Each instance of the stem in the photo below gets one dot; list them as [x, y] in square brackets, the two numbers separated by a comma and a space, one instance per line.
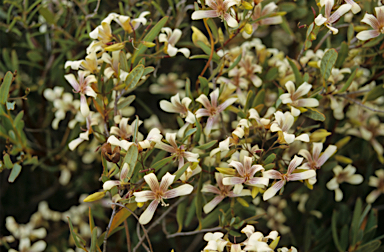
[107, 230]
[194, 232]
[210, 56]
[127, 235]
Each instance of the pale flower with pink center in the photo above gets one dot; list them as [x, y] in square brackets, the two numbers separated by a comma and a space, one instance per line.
[292, 98]
[177, 106]
[377, 23]
[221, 190]
[158, 193]
[246, 173]
[128, 24]
[281, 124]
[220, 8]
[178, 152]
[329, 19]
[82, 86]
[317, 159]
[212, 109]
[284, 178]
[343, 175]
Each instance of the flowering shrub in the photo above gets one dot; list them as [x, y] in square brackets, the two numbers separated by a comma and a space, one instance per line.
[240, 118]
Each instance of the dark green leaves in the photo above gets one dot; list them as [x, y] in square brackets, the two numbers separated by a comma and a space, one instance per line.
[327, 63]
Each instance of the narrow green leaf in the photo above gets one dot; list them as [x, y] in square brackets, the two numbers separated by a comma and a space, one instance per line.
[349, 81]
[259, 99]
[161, 163]
[314, 114]
[249, 100]
[199, 130]
[94, 240]
[344, 238]
[4, 88]
[343, 54]
[73, 234]
[134, 77]
[350, 32]
[131, 159]
[151, 35]
[7, 161]
[148, 70]
[190, 213]
[334, 231]
[199, 202]
[270, 159]
[375, 93]
[125, 101]
[14, 173]
[189, 132]
[296, 72]
[235, 63]
[47, 14]
[272, 74]
[370, 246]
[207, 50]
[207, 145]
[180, 214]
[123, 62]
[180, 171]
[327, 63]
[355, 221]
[204, 85]
[374, 41]
[91, 220]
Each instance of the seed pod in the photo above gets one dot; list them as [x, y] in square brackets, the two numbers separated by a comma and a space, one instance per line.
[110, 156]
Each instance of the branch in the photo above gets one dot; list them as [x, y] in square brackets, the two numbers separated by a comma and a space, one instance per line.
[194, 232]
[107, 230]
[362, 105]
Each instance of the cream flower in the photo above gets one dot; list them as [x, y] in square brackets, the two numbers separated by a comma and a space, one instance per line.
[284, 178]
[170, 38]
[219, 9]
[282, 123]
[114, 66]
[90, 64]
[128, 24]
[215, 242]
[343, 175]
[376, 182]
[108, 185]
[292, 98]
[124, 131]
[177, 106]
[91, 120]
[158, 193]
[212, 109]
[82, 86]
[377, 23]
[329, 19]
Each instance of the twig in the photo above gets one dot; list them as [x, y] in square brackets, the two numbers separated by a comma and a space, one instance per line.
[156, 222]
[94, 11]
[327, 35]
[127, 235]
[364, 106]
[107, 230]
[211, 55]
[194, 232]
[144, 230]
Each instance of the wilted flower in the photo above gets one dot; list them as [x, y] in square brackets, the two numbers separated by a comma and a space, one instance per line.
[343, 175]
[158, 193]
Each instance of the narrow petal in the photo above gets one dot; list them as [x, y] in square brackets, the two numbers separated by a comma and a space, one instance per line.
[373, 196]
[147, 215]
[210, 189]
[371, 20]
[212, 204]
[171, 50]
[355, 179]
[238, 166]
[303, 138]
[184, 51]
[339, 12]
[290, 87]
[316, 150]
[272, 174]
[109, 184]
[338, 195]
[365, 35]
[166, 181]
[230, 20]
[331, 149]
[320, 20]
[152, 181]
[200, 14]
[203, 99]
[270, 192]
[225, 104]
[307, 102]
[74, 143]
[84, 109]
[176, 35]
[209, 125]
[332, 184]
[258, 181]
[233, 180]
[302, 175]
[73, 81]
[303, 90]
[295, 162]
[179, 191]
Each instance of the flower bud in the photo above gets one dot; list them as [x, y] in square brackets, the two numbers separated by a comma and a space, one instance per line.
[115, 47]
[95, 196]
[148, 44]
[247, 5]
[248, 28]
[197, 35]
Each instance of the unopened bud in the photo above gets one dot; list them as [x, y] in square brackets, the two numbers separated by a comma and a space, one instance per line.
[221, 36]
[95, 196]
[247, 5]
[248, 28]
[197, 35]
[226, 171]
[115, 47]
[148, 44]
[319, 135]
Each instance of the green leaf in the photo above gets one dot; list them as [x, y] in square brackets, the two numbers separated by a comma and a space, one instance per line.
[7, 161]
[73, 234]
[355, 221]
[343, 54]
[334, 231]
[207, 50]
[314, 114]
[350, 33]
[180, 171]
[125, 101]
[375, 93]
[349, 81]
[4, 88]
[207, 145]
[272, 74]
[161, 163]
[180, 214]
[134, 77]
[235, 63]
[189, 132]
[123, 62]
[259, 99]
[199, 202]
[374, 41]
[204, 85]
[131, 159]
[148, 70]
[14, 173]
[94, 240]
[298, 77]
[370, 246]
[151, 35]
[248, 101]
[199, 130]
[270, 159]
[344, 238]
[47, 14]
[327, 63]
[91, 220]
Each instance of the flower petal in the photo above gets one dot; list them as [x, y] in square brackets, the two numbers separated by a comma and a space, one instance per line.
[179, 191]
[147, 215]
[270, 192]
[152, 181]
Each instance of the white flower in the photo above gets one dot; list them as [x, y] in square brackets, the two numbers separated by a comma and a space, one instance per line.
[376, 182]
[343, 175]
[154, 136]
[158, 193]
[128, 24]
[170, 38]
[83, 87]
[114, 66]
[219, 9]
[177, 106]
[108, 185]
[92, 119]
[377, 23]
[292, 98]
[215, 241]
[284, 178]
[355, 7]
[282, 123]
[329, 19]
